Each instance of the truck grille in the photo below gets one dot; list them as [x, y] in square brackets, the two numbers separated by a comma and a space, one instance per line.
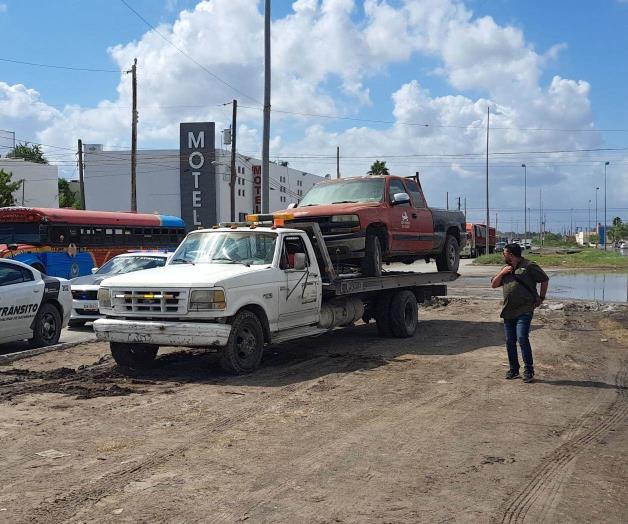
[85, 295]
[149, 302]
[324, 222]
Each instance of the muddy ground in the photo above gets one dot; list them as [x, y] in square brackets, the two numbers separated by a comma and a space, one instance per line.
[343, 428]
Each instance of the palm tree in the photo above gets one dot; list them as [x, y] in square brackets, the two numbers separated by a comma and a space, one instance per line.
[378, 168]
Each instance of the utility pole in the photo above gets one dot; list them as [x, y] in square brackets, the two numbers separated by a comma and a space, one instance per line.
[597, 229]
[465, 208]
[488, 118]
[133, 72]
[266, 131]
[234, 132]
[496, 217]
[447, 199]
[605, 219]
[23, 184]
[525, 203]
[458, 203]
[81, 179]
[571, 221]
[337, 161]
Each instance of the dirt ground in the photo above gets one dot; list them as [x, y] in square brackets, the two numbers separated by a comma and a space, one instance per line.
[343, 428]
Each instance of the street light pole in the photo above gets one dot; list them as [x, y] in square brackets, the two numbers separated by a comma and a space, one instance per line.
[605, 220]
[589, 230]
[525, 202]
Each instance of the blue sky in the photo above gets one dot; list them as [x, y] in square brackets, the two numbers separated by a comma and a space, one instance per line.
[597, 41]
[78, 33]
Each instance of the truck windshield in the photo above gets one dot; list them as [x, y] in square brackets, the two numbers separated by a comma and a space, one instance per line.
[16, 233]
[226, 247]
[344, 191]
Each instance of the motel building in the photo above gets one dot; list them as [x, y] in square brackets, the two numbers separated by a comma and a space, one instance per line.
[191, 182]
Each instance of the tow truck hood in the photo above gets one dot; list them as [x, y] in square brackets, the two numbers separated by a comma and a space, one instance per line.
[183, 275]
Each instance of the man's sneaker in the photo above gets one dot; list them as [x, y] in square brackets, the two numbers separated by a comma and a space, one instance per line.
[512, 374]
[528, 376]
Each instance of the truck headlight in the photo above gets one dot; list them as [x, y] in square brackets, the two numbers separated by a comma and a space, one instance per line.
[204, 299]
[346, 218]
[104, 297]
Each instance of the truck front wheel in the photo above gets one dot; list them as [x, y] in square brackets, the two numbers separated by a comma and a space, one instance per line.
[244, 349]
[372, 261]
[449, 258]
[404, 314]
[133, 356]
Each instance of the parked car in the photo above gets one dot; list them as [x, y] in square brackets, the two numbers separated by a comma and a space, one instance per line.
[85, 289]
[33, 306]
[373, 219]
[499, 246]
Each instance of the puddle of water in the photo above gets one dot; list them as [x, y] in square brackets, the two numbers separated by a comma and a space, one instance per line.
[605, 287]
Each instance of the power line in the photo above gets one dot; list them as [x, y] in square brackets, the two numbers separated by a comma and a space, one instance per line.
[213, 75]
[69, 68]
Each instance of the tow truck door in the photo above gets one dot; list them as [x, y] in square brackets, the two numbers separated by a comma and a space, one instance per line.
[20, 297]
[299, 295]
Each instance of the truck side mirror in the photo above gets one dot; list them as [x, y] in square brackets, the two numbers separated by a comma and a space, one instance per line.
[95, 270]
[292, 205]
[400, 198]
[300, 261]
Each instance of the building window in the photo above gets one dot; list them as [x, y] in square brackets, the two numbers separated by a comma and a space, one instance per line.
[243, 192]
[299, 192]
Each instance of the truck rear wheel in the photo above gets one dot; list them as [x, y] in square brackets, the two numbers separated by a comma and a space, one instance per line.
[243, 352]
[404, 314]
[372, 262]
[133, 356]
[382, 315]
[449, 258]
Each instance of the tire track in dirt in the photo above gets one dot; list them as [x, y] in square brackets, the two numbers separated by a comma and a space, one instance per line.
[547, 479]
[311, 462]
[66, 507]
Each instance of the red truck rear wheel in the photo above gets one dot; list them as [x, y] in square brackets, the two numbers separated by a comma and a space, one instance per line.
[449, 258]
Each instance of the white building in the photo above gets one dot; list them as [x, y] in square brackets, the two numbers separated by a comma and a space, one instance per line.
[162, 175]
[40, 187]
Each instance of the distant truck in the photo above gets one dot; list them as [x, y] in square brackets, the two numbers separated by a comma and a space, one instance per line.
[373, 219]
[476, 241]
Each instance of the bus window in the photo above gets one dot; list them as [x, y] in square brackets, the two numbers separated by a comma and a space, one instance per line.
[59, 235]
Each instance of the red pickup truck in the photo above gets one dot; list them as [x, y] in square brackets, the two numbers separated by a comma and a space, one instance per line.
[374, 219]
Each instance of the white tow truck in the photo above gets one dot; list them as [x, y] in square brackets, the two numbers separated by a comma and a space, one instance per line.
[238, 288]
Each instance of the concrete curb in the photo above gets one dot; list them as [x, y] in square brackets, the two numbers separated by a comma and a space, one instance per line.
[19, 355]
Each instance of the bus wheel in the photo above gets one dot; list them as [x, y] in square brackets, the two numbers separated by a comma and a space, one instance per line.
[404, 314]
[133, 356]
[244, 349]
[47, 329]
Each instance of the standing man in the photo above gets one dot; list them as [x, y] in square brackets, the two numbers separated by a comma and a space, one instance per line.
[519, 279]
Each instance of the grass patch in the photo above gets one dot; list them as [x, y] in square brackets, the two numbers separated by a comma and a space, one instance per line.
[587, 258]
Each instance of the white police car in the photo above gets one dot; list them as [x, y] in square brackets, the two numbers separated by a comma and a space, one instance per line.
[33, 306]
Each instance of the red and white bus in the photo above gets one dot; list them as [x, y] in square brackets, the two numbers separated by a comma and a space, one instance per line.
[68, 242]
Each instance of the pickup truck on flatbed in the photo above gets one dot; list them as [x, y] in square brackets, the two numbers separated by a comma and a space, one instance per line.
[239, 288]
[374, 219]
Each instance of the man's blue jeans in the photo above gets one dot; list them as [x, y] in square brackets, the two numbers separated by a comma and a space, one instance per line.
[518, 330]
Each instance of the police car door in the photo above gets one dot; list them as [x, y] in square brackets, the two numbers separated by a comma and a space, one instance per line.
[298, 294]
[20, 296]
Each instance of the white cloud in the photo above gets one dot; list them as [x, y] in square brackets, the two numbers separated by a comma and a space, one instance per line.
[3, 8]
[327, 56]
